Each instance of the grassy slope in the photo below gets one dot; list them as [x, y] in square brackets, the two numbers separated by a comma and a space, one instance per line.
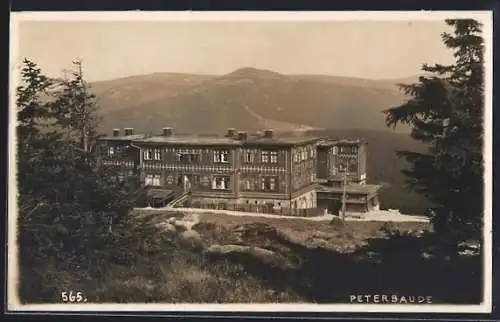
[311, 262]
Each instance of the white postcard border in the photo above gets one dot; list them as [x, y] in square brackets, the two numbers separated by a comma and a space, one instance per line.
[17, 17]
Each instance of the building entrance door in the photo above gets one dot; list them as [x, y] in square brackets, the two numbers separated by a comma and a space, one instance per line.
[335, 206]
[184, 182]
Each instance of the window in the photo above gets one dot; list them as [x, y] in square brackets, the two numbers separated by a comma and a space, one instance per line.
[303, 154]
[353, 167]
[187, 157]
[220, 183]
[265, 157]
[152, 154]
[246, 185]
[221, 156]
[296, 157]
[274, 157]
[348, 149]
[272, 184]
[157, 154]
[111, 151]
[205, 181]
[152, 180]
[249, 157]
[268, 184]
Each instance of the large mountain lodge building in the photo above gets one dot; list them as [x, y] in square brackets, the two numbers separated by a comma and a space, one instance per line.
[257, 173]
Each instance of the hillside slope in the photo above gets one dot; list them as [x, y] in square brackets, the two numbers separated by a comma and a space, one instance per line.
[247, 98]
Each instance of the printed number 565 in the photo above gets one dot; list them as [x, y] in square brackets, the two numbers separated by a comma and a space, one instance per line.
[72, 297]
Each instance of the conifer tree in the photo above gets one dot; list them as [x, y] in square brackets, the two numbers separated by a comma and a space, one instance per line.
[76, 109]
[446, 113]
[66, 202]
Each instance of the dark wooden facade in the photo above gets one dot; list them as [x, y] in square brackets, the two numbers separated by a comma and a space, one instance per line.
[360, 198]
[337, 158]
[259, 169]
[117, 151]
[341, 166]
[239, 171]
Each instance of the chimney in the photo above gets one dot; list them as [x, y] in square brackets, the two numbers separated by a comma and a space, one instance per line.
[231, 132]
[129, 131]
[268, 133]
[116, 132]
[167, 131]
[242, 135]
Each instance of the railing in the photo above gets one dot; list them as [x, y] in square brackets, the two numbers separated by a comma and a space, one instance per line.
[180, 196]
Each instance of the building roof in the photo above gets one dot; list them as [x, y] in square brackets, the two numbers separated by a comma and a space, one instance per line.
[331, 142]
[188, 140]
[196, 140]
[350, 141]
[280, 140]
[124, 137]
[366, 189]
[326, 142]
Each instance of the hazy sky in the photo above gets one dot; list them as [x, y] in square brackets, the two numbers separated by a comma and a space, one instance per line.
[368, 49]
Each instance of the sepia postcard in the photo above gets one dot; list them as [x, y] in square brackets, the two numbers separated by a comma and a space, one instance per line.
[250, 162]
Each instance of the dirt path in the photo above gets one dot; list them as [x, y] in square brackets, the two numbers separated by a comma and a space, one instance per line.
[384, 216]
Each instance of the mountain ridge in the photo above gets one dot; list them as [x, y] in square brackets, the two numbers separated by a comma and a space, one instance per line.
[247, 98]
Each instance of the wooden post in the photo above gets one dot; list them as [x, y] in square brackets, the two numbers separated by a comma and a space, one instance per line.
[344, 192]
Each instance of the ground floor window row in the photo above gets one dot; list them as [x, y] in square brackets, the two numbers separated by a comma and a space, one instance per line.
[275, 184]
[215, 182]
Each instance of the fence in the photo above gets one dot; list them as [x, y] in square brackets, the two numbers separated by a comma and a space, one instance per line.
[264, 209]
